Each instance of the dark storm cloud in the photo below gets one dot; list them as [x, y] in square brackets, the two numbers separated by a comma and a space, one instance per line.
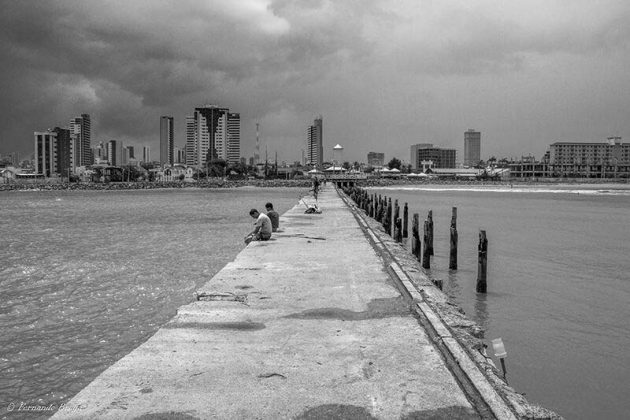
[416, 64]
[479, 40]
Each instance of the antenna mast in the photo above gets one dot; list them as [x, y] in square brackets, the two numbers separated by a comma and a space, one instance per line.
[257, 155]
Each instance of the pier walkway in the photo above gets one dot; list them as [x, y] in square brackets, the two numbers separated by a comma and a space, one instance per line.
[309, 325]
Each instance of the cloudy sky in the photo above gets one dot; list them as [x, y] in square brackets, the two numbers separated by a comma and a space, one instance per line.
[383, 74]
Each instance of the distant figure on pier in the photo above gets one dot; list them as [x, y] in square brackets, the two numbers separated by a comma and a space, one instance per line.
[262, 227]
[273, 216]
[315, 187]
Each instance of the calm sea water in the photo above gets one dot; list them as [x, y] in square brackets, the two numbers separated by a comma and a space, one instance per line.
[87, 276]
[558, 285]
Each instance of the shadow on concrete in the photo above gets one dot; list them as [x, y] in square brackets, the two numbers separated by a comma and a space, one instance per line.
[377, 308]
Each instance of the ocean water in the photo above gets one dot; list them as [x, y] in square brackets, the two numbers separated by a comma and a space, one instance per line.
[558, 285]
[87, 276]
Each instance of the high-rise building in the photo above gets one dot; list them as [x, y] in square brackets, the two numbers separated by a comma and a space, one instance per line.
[441, 158]
[191, 147]
[315, 143]
[81, 131]
[180, 155]
[206, 135]
[146, 154]
[234, 137]
[167, 140]
[115, 152]
[45, 157]
[125, 156]
[375, 159]
[99, 153]
[64, 151]
[131, 152]
[472, 147]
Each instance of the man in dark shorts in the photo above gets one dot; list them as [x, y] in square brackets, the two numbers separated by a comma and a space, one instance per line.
[273, 216]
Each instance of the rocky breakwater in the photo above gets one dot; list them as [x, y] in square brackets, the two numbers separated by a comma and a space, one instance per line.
[212, 183]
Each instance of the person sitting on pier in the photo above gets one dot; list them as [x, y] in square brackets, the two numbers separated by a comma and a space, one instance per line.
[273, 216]
[262, 227]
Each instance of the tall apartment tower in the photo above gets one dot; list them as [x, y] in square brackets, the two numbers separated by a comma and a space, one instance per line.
[115, 152]
[81, 131]
[472, 147]
[146, 154]
[45, 153]
[125, 156]
[167, 140]
[206, 135]
[180, 155]
[233, 137]
[64, 151]
[99, 153]
[315, 146]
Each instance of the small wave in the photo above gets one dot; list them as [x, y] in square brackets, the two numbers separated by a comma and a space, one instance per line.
[507, 189]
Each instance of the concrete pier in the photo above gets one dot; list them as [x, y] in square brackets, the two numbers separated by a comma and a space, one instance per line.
[314, 323]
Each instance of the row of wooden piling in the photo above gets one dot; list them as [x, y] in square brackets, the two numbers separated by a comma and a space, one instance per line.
[381, 209]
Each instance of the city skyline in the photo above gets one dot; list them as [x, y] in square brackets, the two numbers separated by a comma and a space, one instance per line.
[526, 75]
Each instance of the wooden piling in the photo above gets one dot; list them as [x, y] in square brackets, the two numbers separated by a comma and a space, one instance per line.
[384, 216]
[482, 285]
[387, 216]
[416, 245]
[372, 202]
[396, 216]
[430, 239]
[452, 264]
[390, 218]
[385, 211]
[406, 222]
[426, 256]
[398, 230]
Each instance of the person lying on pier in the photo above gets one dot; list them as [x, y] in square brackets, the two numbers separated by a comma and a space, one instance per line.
[262, 227]
[273, 216]
[310, 208]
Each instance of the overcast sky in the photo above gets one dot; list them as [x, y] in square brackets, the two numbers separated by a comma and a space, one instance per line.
[383, 74]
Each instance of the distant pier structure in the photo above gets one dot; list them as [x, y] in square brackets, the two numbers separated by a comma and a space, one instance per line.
[345, 179]
[338, 175]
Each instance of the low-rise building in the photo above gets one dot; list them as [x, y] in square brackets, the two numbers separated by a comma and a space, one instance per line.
[441, 158]
[529, 167]
[175, 173]
[8, 175]
[376, 159]
[610, 159]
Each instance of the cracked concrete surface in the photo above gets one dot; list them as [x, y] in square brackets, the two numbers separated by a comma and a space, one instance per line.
[308, 325]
